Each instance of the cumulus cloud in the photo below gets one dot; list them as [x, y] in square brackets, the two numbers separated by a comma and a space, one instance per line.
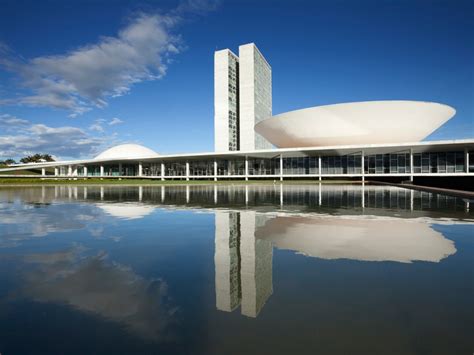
[87, 76]
[24, 137]
[98, 125]
[115, 121]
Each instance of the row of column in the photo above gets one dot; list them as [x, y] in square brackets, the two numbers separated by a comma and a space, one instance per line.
[72, 170]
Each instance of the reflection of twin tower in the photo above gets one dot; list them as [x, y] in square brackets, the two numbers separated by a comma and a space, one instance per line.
[243, 263]
[244, 241]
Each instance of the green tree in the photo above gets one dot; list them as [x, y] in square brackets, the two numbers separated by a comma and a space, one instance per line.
[36, 158]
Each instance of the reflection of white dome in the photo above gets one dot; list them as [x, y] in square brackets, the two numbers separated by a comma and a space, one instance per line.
[126, 210]
[127, 151]
[370, 122]
[384, 239]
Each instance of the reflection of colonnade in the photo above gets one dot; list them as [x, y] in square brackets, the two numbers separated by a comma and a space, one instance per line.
[243, 263]
[309, 197]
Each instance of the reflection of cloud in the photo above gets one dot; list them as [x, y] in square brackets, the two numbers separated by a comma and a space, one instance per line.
[21, 222]
[96, 285]
[126, 210]
[359, 239]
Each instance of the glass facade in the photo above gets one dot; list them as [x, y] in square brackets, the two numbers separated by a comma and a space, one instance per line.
[151, 169]
[262, 166]
[442, 162]
[175, 168]
[398, 163]
[374, 164]
[201, 168]
[299, 165]
[231, 167]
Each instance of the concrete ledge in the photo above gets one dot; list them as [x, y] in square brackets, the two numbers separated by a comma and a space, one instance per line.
[451, 192]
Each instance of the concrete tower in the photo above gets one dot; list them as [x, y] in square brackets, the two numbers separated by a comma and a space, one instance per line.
[255, 104]
[226, 101]
[242, 98]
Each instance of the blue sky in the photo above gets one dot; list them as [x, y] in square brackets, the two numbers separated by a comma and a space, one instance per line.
[78, 76]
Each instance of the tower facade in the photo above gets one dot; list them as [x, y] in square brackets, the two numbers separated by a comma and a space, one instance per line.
[226, 101]
[242, 98]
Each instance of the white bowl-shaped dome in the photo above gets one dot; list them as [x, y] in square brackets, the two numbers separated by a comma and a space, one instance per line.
[370, 122]
[127, 151]
[126, 210]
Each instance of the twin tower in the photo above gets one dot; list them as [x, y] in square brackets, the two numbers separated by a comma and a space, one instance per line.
[242, 98]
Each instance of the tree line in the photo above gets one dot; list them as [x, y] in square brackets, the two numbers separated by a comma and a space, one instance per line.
[36, 158]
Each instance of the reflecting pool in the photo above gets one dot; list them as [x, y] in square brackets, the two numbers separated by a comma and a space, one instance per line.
[235, 269]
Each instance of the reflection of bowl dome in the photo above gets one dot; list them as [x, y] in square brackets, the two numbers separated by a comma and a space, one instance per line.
[126, 210]
[127, 151]
[370, 122]
[367, 239]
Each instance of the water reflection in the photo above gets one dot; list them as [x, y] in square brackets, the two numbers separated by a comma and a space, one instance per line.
[333, 262]
[97, 285]
[244, 243]
[348, 199]
[243, 263]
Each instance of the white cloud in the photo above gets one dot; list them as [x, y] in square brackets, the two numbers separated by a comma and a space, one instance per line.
[115, 121]
[29, 138]
[88, 76]
[8, 122]
[97, 126]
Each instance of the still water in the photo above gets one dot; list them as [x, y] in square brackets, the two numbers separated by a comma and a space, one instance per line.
[292, 269]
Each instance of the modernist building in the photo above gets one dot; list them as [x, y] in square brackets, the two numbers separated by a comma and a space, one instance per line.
[242, 98]
[357, 140]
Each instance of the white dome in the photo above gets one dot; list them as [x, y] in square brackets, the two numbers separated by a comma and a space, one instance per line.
[127, 151]
[370, 122]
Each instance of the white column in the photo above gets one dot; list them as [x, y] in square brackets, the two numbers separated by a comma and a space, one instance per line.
[320, 195]
[187, 171]
[281, 195]
[363, 194]
[281, 167]
[362, 164]
[411, 165]
[69, 170]
[43, 171]
[101, 170]
[140, 169]
[56, 171]
[246, 168]
[162, 171]
[85, 170]
[74, 171]
[319, 167]
[466, 160]
[215, 170]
